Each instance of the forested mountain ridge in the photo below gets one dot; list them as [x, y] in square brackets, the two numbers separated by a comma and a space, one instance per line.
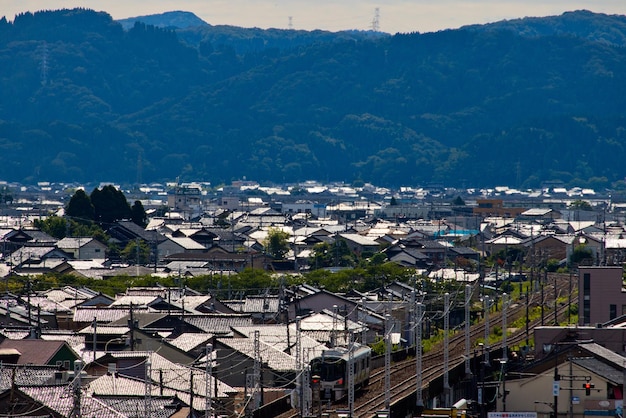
[85, 100]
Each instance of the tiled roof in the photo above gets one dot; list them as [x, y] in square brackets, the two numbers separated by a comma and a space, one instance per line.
[255, 304]
[73, 242]
[69, 292]
[276, 336]
[120, 385]
[47, 305]
[104, 330]
[187, 243]
[218, 323]
[193, 301]
[134, 407]
[188, 341]
[103, 315]
[607, 371]
[25, 375]
[60, 399]
[136, 300]
[174, 376]
[274, 358]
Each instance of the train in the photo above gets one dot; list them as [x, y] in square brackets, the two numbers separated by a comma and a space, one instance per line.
[331, 367]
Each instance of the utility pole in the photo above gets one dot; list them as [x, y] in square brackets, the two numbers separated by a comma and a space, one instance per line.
[148, 388]
[387, 361]
[419, 403]
[505, 305]
[446, 346]
[468, 300]
[77, 393]
[94, 324]
[487, 328]
[351, 374]
[208, 372]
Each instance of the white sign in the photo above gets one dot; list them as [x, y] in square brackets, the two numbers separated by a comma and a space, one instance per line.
[512, 415]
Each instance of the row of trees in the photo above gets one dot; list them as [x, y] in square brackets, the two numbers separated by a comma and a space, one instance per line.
[91, 215]
[105, 206]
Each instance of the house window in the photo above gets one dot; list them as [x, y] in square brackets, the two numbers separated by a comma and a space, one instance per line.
[66, 364]
[97, 250]
[586, 298]
[586, 283]
[612, 311]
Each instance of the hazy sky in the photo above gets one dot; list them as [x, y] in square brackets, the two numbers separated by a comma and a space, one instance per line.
[394, 15]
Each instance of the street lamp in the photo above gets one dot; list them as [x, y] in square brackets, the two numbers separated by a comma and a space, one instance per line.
[481, 388]
[118, 340]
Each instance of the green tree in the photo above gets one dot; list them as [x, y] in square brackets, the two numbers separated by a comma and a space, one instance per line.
[80, 207]
[5, 195]
[110, 205]
[136, 253]
[276, 243]
[582, 255]
[332, 255]
[581, 205]
[138, 214]
[53, 225]
[458, 201]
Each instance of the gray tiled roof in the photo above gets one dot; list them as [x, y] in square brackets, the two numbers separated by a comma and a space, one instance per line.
[604, 353]
[104, 315]
[276, 336]
[255, 304]
[218, 323]
[25, 375]
[120, 385]
[274, 358]
[608, 372]
[174, 376]
[60, 399]
[190, 340]
[48, 305]
[135, 407]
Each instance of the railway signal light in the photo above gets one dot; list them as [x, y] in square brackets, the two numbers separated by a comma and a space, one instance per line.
[588, 386]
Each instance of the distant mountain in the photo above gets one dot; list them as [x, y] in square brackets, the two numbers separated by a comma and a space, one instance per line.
[197, 33]
[85, 100]
[169, 20]
[596, 27]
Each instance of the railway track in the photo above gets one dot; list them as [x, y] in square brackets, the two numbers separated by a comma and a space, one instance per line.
[402, 373]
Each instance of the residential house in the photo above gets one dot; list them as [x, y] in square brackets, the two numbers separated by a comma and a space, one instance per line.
[576, 364]
[123, 232]
[38, 352]
[83, 248]
[52, 401]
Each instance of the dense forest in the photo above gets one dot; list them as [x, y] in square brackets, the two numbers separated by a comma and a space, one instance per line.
[518, 102]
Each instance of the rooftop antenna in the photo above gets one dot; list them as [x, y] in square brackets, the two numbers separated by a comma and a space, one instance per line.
[376, 20]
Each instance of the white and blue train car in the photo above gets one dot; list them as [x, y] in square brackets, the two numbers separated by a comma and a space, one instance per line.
[332, 369]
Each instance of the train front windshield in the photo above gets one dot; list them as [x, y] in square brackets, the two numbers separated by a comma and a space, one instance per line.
[328, 369]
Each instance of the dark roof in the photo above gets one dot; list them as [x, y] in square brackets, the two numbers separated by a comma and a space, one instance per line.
[127, 230]
[606, 371]
[464, 251]
[34, 351]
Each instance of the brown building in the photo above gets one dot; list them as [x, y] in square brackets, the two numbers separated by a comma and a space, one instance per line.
[495, 207]
[601, 294]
